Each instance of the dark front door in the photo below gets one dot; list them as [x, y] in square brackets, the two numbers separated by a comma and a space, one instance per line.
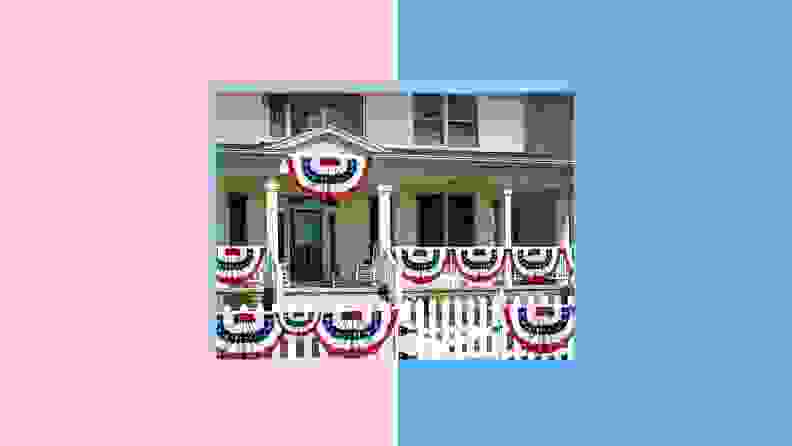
[307, 246]
[332, 233]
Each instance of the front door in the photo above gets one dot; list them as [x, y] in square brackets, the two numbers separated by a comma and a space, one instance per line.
[307, 245]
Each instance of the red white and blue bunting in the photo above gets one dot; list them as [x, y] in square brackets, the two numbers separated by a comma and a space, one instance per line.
[299, 324]
[361, 333]
[247, 333]
[541, 328]
[238, 265]
[482, 266]
[421, 266]
[328, 176]
[244, 334]
[479, 265]
[533, 262]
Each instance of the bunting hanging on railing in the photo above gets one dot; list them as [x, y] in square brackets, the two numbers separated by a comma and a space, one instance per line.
[244, 334]
[533, 263]
[238, 265]
[479, 265]
[260, 331]
[299, 324]
[357, 333]
[328, 176]
[422, 266]
[541, 328]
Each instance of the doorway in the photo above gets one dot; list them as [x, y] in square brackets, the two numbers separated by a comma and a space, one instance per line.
[306, 240]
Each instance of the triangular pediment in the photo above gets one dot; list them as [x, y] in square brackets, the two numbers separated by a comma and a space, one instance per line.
[328, 139]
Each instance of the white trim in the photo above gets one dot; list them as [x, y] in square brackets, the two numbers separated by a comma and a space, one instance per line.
[410, 120]
[508, 278]
[267, 117]
[287, 122]
[364, 116]
[266, 152]
[444, 117]
[446, 157]
[302, 138]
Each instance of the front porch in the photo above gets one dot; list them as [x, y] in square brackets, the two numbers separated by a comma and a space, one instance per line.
[328, 217]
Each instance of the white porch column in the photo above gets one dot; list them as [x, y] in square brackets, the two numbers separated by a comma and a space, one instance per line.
[507, 230]
[271, 189]
[287, 122]
[267, 115]
[384, 192]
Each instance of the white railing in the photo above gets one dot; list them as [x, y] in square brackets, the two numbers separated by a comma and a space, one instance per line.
[388, 272]
[462, 326]
[436, 331]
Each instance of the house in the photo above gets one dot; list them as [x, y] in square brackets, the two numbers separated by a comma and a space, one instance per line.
[334, 197]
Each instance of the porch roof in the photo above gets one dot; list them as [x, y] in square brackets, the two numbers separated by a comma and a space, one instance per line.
[285, 146]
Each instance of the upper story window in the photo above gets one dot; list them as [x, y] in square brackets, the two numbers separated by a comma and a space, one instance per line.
[445, 120]
[291, 114]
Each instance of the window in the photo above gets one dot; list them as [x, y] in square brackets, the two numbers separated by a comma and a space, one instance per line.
[430, 220]
[462, 121]
[434, 210]
[310, 111]
[461, 220]
[534, 219]
[547, 124]
[428, 120]
[237, 225]
[445, 120]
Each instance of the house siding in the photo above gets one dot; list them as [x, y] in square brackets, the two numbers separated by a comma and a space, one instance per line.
[388, 119]
[500, 124]
[239, 119]
[506, 124]
[548, 129]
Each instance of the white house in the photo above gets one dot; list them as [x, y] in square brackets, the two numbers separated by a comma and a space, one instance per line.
[328, 197]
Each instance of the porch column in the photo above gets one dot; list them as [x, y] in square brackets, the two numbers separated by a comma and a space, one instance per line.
[272, 188]
[507, 231]
[287, 122]
[384, 192]
[267, 115]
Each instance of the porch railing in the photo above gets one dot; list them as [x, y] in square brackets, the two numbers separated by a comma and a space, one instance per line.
[483, 267]
[262, 332]
[388, 274]
[252, 267]
[464, 325]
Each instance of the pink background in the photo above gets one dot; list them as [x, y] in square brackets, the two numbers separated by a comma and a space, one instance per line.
[106, 165]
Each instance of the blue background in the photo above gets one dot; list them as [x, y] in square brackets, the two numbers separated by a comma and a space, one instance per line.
[682, 109]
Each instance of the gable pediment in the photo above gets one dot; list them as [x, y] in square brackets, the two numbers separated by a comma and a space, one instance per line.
[328, 140]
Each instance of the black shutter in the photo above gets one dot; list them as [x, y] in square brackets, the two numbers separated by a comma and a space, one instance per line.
[281, 235]
[373, 222]
[238, 218]
[430, 220]
[515, 221]
[461, 220]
